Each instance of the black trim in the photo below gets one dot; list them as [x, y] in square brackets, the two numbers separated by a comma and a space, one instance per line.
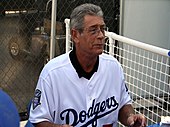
[79, 69]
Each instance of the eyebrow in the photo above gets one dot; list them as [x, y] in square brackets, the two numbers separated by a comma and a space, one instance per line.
[94, 26]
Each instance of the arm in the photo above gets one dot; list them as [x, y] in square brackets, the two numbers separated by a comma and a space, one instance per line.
[124, 113]
[49, 124]
[127, 114]
[128, 117]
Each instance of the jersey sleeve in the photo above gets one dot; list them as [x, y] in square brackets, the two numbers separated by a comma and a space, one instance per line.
[42, 106]
[125, 96]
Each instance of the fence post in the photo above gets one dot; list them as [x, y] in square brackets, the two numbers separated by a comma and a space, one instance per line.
[53, 26]
[67, 22]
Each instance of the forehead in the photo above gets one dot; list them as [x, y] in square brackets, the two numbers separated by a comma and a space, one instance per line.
[90, 21]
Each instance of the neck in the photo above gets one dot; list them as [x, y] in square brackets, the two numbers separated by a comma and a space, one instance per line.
[86, 61]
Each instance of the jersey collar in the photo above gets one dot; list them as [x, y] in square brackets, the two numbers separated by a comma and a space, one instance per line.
[79, 69]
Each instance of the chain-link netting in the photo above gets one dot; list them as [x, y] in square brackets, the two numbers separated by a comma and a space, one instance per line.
[25, 27]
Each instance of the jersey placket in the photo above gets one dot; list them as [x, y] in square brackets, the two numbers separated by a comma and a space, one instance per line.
[90, 97]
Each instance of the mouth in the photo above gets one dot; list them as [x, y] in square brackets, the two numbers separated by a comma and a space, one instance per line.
[98, 45]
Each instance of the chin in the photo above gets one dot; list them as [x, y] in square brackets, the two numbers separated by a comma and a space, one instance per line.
[100, 52]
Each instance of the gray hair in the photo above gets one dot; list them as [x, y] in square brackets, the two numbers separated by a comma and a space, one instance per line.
[77, 16]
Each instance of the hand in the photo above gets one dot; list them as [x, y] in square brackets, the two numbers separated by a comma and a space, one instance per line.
[66, 126]
[49, 124]
[136, 120]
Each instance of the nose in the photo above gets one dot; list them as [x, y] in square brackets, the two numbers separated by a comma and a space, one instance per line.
[101, 34]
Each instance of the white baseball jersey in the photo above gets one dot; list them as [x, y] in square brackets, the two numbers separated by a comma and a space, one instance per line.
[62, 97]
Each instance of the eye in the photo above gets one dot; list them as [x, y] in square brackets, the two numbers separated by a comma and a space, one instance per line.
[103, 28]
[93, 30]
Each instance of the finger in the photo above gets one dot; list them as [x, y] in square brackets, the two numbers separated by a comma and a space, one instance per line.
[131, 120]
[143, 121]
[132, 123]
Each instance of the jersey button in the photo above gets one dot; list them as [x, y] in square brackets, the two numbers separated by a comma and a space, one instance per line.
[90, 98]
[90, 86]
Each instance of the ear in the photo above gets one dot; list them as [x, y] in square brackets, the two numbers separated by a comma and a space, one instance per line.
[75, 35]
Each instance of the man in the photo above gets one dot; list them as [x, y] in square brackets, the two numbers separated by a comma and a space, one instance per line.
[84, 88]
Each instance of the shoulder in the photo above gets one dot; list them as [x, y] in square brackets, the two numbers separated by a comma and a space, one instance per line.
[55, 64]
[109, 61]
[108, 58]
[58, 61]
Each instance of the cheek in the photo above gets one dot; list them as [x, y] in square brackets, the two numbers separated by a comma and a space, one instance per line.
[90, 45]
[88, 42]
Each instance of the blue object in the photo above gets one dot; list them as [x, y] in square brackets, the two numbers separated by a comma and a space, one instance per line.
[29, 124]
[9, 116]
[169, 53]
[154, 125]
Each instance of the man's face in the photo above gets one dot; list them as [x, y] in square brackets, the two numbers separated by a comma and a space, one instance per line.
[91, 40]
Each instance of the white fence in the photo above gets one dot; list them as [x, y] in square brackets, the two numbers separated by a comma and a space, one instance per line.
[147, 73]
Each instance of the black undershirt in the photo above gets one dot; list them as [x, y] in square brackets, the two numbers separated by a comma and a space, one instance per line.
[79, 69]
